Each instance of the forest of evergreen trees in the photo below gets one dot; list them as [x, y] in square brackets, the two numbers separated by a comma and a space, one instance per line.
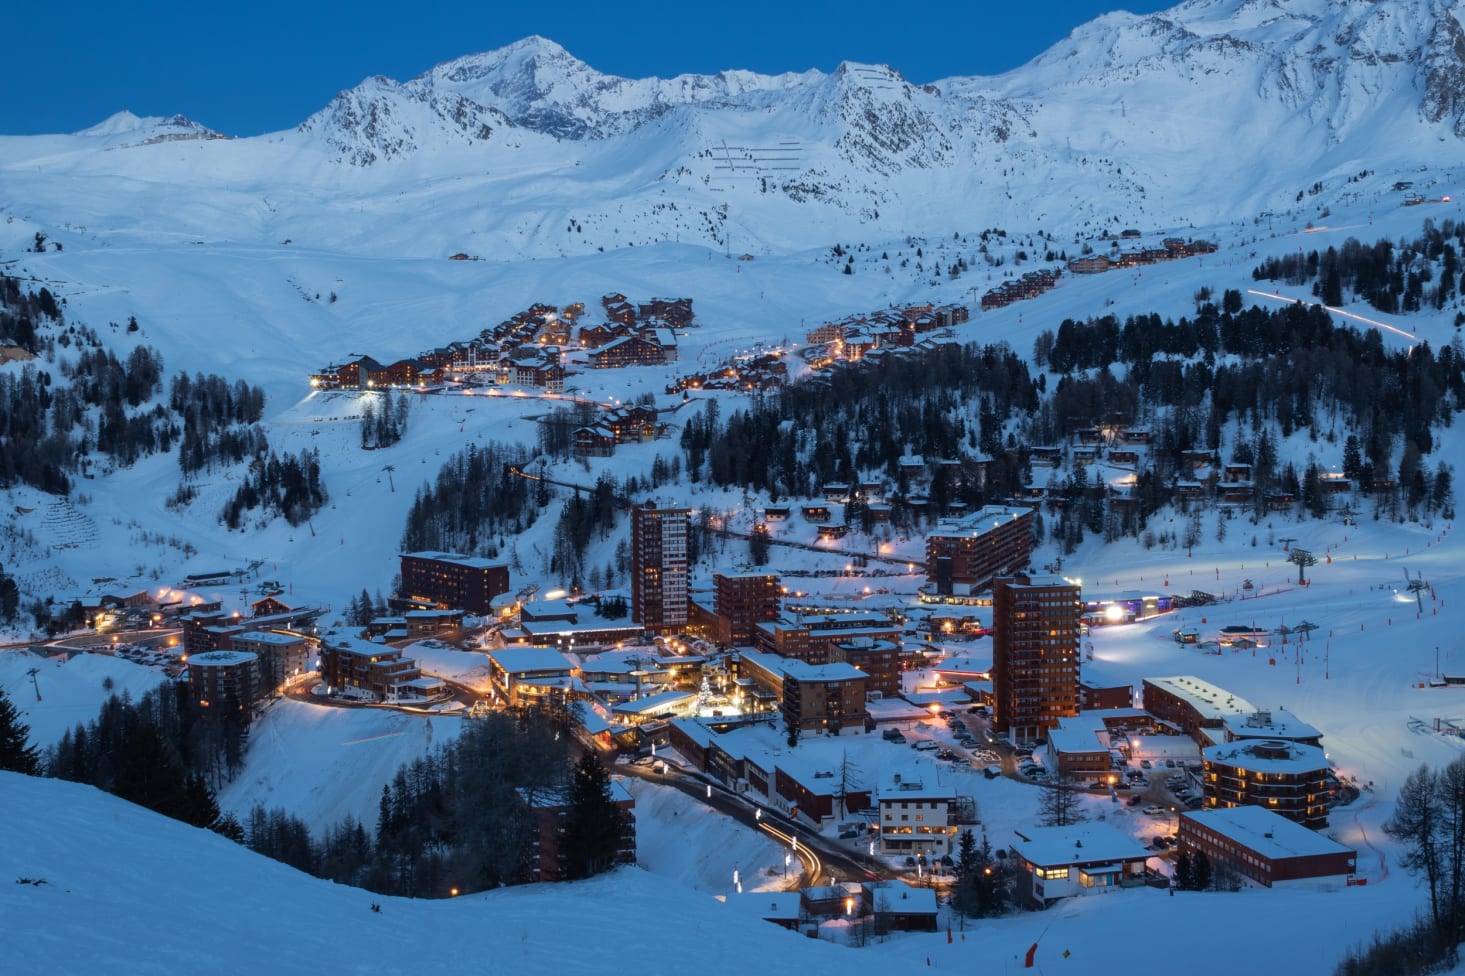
[220, 421]
[289, 486]
[475, 502]
[96, 407]
[862, 419]
[383, 425]
[1429, 821]
[157, 752]
[456, 820]
[1392, 277]
[585, 516]
[1284, 370]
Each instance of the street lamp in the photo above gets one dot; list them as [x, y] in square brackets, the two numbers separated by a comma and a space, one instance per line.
[787, 858]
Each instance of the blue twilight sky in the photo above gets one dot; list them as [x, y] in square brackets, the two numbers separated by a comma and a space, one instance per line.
[244, 68]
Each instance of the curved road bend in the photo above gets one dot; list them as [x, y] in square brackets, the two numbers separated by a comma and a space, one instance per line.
[820, 858]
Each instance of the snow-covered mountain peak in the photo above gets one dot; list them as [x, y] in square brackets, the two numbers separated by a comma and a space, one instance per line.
[380, 119]
[530, 55]
[541, 86]
[123, 121]
[126, 127]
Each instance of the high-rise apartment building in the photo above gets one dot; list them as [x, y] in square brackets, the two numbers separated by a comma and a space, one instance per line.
[742, 601]
[1035, 624]
[659, 567]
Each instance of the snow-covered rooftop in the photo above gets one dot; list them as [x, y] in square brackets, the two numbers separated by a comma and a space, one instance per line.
[1276, 723]
[521, 660]
[1265, 832]
[268, 637]
[1076, 844]
[1210, 701]
[222, 658]
[1268, 755]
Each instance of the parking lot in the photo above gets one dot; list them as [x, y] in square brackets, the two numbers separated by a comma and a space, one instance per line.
[968, 743]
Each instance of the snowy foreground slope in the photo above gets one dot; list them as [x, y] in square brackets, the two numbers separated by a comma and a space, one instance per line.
[92, 884]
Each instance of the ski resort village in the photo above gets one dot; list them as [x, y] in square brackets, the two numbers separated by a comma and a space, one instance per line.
[781, 523]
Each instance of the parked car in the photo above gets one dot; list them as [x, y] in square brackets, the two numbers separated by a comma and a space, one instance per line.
[992, 772]
[1135, 800]
[1154, 810]
[1145, 764]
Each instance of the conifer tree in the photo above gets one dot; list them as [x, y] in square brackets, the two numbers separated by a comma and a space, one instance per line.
[149, 777]
[16, 752]
[1184, 872]
[595, 826]
[1200, 871]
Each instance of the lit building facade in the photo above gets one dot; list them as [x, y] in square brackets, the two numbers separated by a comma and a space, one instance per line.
[741, 601]
[964, 554]
[1035, 624]
[659, 567]
[1288, 778]
[917, 817]
[224, 682]
[1263, 847]
[453, 582]
[824, 698]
